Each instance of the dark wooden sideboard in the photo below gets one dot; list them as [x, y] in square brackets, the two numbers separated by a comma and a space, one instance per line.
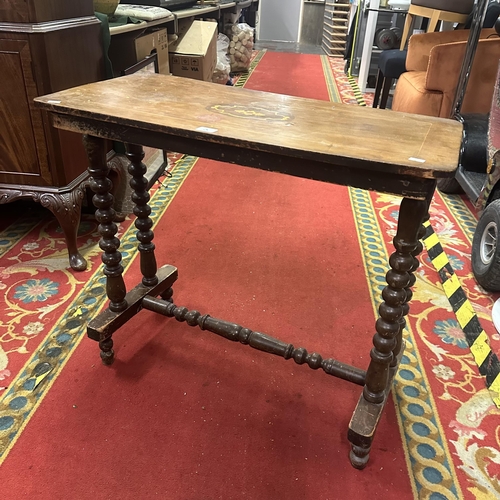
[45, 46]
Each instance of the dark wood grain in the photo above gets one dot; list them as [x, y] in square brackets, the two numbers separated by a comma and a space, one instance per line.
[105, 214]
[31, 11]
[142, 211]
[23, 151]
[32, 152]
[103, 326]
[300, 128]
[64, 59]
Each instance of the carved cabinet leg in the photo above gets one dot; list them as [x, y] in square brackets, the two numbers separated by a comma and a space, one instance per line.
[67, 209]
[65, 204]
[387, 342]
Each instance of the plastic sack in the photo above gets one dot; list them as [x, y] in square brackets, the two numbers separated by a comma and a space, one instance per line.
[223, 66]
[240, 46]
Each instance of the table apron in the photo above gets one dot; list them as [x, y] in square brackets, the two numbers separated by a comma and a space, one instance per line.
[349, 173]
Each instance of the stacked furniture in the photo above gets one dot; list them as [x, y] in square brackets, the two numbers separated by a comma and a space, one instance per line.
[452, 11]
[335, 27]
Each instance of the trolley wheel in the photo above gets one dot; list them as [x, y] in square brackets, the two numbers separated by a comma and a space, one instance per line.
[449, 186]
[486, 248]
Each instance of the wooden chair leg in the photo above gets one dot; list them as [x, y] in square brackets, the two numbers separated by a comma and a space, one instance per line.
[433, 21]
[378, 88]
[385, 92]
[406, 30]
[381, 370]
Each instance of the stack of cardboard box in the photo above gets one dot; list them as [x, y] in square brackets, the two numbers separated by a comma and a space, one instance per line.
[193, 54]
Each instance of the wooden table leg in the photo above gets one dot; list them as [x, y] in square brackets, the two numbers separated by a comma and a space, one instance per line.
[409, 295]
[387, 342]
[142, 211]
[109, 243]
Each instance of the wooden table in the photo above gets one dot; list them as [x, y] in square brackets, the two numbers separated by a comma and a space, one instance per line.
[362, 147]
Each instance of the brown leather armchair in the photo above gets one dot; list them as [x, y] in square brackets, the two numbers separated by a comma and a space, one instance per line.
[432, 70]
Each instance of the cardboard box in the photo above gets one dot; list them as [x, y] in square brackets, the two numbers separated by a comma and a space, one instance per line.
[128, 49]
[148, 43]
[194, 53]
[183, 25]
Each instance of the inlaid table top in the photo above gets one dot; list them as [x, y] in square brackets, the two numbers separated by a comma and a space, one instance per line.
[332, 133]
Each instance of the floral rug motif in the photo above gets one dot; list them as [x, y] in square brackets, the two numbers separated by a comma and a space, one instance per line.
[44, 311]
[466, 417]
[347, 86]
[448, 419]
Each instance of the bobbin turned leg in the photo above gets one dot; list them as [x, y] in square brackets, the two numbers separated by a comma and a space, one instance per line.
[385, 342]
[409, 293]
[143, 223]
[142, 211]
[109, 243]
[124, 306]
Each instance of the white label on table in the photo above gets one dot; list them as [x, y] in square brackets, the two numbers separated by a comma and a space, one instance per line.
[419, 160]
[208, 130]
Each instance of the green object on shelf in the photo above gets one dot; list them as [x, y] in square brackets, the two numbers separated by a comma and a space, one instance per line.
[106, 6]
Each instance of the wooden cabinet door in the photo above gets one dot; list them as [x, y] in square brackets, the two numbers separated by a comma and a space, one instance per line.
[23, 150]
[40, 11]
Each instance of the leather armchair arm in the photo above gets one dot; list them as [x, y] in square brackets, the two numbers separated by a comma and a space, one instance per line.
[420, 46]
[445, 62]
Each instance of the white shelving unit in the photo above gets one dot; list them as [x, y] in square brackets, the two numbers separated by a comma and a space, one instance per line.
[335, 27]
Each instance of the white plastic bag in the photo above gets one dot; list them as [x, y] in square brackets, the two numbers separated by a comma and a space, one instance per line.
[223, 66]
[240, 46]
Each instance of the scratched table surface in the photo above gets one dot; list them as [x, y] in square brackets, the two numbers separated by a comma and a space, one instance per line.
[334, 133]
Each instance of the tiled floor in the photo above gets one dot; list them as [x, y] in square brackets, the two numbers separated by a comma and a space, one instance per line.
[299, 48]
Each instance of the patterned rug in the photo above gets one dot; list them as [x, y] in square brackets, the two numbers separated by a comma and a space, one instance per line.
[447, 414]
[447, 418]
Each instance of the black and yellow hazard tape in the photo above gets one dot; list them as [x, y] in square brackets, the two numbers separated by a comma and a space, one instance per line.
[477, 339]
[355, 89]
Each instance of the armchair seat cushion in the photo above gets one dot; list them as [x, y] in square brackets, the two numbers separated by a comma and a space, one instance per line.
[458, 6]
[412, 96]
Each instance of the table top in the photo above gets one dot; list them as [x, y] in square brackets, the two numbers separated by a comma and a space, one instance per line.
[338, 134]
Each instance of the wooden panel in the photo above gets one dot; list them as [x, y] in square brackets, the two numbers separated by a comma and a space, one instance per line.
[38, 11]
[14, 11]
[62, 59]
[337, 134]
[33, 65]
[22, 139]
